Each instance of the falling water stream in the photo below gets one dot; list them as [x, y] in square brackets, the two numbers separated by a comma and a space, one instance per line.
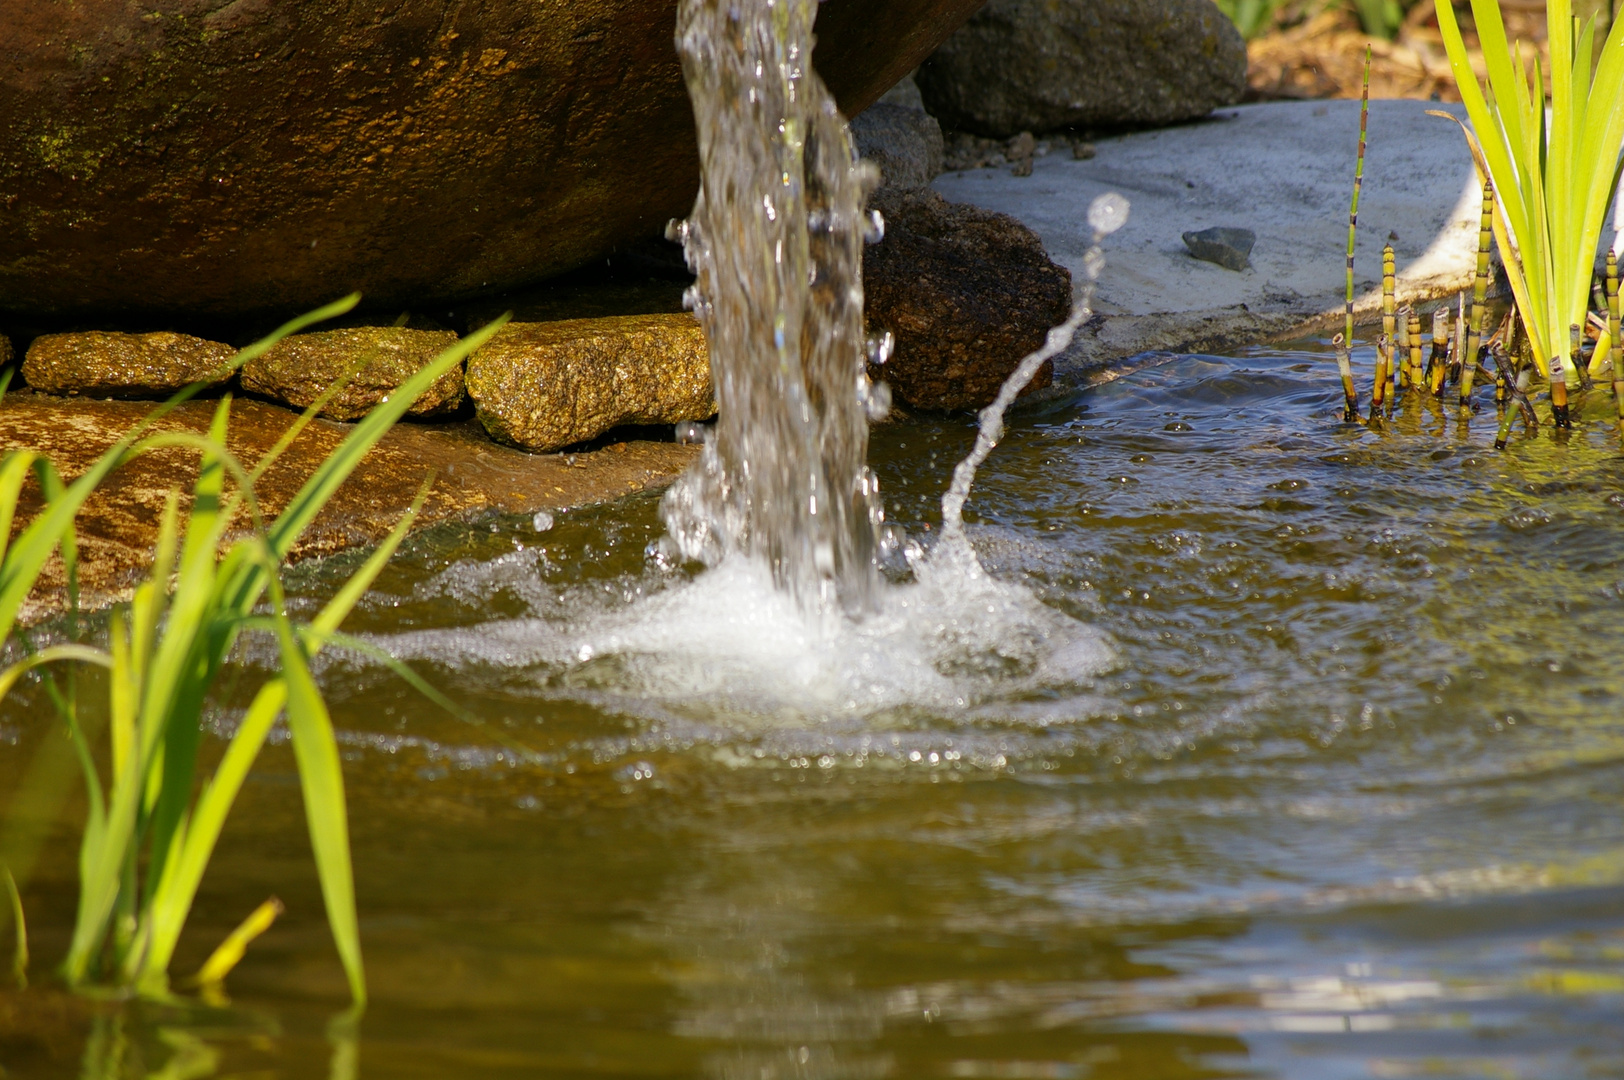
[1212, 738]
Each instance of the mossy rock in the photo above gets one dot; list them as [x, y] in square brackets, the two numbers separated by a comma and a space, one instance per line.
[298, 370]
[209, 158]
[108, 364]
[542, 386]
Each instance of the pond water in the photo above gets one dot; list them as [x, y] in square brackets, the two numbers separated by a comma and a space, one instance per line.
[1285, 748]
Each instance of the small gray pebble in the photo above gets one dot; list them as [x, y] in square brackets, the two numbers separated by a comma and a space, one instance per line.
[1229, 248]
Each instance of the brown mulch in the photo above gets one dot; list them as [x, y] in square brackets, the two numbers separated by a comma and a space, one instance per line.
[1324, 57]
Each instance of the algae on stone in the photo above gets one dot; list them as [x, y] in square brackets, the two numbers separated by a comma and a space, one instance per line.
[542, 386]
[100, 363]
[299, 369]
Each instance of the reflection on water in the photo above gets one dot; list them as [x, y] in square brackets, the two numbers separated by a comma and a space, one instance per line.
[1308, 764]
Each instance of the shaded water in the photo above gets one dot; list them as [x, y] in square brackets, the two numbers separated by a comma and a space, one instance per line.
[1307, 761]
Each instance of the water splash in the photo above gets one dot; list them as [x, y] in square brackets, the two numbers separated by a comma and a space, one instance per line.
[1106, 214]
[776, 240]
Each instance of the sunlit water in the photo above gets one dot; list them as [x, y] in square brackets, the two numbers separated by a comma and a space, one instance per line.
[1304, 757]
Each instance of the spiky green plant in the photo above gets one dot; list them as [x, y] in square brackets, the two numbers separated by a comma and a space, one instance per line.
[148, 837]
[1553, 172]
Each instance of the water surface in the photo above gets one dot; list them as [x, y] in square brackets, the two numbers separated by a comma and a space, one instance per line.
[1284, 748]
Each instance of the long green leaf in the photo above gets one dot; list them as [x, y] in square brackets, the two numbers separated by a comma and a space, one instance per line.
[321, 780]
[173, 901]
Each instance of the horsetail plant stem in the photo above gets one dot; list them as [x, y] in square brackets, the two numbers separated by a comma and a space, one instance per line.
[1615, 353]
[1480, 291]
[1438, 359]
[1413, 334]
[1343, 358]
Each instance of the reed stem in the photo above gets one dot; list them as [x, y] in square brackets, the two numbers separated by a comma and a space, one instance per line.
[1480, 292]
[1344, 360]
[1413, 333]
[1438, 359]
[1616, 353]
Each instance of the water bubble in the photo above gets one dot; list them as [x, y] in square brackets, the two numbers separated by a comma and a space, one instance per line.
[692, 433]
[880, 347]
[1108, 213]
[876, 227]
[877, 402]
[542, 521]
[676, 230]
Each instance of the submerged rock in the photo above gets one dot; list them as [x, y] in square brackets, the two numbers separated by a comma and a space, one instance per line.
[6, 353]
[1037, 65]
[545, 385]
[104, 364]
[216, 158]
[1229, 248]
[967, 293]
[299, 369]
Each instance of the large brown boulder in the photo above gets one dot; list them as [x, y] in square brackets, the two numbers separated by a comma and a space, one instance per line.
[966, 292]
[214, 158]
[1037, 65]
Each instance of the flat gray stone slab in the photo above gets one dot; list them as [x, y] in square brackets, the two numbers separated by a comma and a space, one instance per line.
[1284, 170]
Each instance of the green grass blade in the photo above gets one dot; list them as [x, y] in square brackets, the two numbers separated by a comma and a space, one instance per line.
[172, 902]
[14, 469]
[315, 493]
[321, 780]
[19, 952]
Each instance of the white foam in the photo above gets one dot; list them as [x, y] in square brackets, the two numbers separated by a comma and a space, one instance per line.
[726, 646]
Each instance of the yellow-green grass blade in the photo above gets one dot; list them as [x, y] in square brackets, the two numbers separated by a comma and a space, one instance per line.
[184, 666]
[321, 780]
[173, 902]
[315, 493]
[230, 951]
[1513, 266]
[19, 949]
[24, 560]
[14, 468]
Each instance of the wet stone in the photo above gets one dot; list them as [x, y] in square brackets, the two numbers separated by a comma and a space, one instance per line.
[906, 144]
[109, 364]
[118, 525]
[298, 370]
[6, 352]
[541, 386]
[966, 292]
[1229, 248]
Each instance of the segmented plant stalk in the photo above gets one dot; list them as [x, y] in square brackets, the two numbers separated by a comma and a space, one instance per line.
[1343, 358]
[1413, 333]
[1384, 350]
[1438, 360]
[1378, 387]
[1513, 380]
[1616, 353]
[1480, 291]
[1559, 391]
[1506, 338]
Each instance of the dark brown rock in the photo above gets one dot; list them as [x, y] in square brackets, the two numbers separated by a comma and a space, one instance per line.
[1037, 65]
[100, 363]
[118, 525]
[545, 385]
[214, 157]
[967, 292]
[299, 369]
[6, 352]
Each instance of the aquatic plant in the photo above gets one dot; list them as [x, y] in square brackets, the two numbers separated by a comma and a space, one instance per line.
[1344, 341]
[1553, 171]
[148, 839]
